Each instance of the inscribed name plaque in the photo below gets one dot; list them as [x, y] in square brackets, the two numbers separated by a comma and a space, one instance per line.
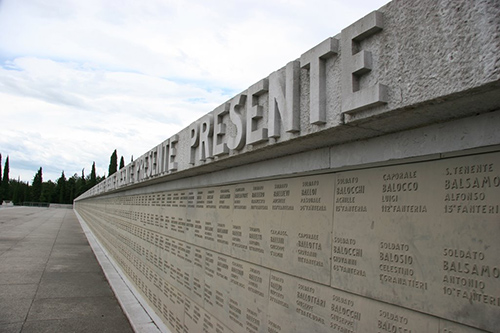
[198, 320]
[285, 225]
[205, 220]
[297, 305]
[248, 297]
[423, 235]
[246, 223]
[300, 224]
[223, 218]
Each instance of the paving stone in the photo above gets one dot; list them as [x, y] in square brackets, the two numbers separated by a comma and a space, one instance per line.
[81, 325]
[14, 309]
[11, 327]
[75, 307]
[20, 276]
[11, 291]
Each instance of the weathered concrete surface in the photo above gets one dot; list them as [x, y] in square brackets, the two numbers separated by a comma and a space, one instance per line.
[50, 280]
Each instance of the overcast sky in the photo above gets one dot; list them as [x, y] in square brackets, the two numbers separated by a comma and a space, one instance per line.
[80, 78]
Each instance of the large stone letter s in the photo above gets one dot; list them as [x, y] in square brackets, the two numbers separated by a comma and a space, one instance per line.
[238, 119]
[284, 100]
[314, 61]
[354, 65]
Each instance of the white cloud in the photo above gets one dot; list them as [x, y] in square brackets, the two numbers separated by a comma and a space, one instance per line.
[81, 78]
[70, 116]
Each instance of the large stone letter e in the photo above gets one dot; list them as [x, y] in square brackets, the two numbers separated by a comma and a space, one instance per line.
[355, 65]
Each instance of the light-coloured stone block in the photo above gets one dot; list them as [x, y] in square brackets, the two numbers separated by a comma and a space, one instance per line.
[269, 228]
[249, 297]
[243, 219]
[301, 216]
[223, 218]
[199, 320]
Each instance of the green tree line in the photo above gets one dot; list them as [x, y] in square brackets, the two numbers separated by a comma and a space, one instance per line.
[63, 190]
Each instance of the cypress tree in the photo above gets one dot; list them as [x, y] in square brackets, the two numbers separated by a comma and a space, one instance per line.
[43, 196]
[5, 180]
[71, 189]
[81, 184]
[122, 163]
[16, 187]
[27, 192]
[113, 163]
[36, 187]
[61, 187]
[49, 191]
[93, 177]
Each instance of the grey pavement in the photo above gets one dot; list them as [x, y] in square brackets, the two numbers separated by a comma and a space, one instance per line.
[50, 280]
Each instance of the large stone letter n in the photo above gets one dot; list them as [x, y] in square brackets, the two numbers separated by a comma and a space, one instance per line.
[314, 61]
[355, 65]
[284, 100]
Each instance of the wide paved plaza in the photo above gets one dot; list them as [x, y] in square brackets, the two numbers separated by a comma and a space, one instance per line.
[50, 280]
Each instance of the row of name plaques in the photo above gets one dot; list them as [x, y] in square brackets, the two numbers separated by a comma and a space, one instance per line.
[237, 296]
[423, 236]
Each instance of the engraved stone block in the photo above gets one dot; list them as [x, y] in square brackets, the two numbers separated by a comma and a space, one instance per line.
[248, 297]
[300, 221]
[250, 225]
[198, 320]
[223, 218]
[216, 285]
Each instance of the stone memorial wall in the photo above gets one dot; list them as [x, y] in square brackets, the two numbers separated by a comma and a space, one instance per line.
[357, 189]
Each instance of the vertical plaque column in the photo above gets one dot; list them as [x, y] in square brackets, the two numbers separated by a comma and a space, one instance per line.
[223, 218]
[248, 297]
[251, 205]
